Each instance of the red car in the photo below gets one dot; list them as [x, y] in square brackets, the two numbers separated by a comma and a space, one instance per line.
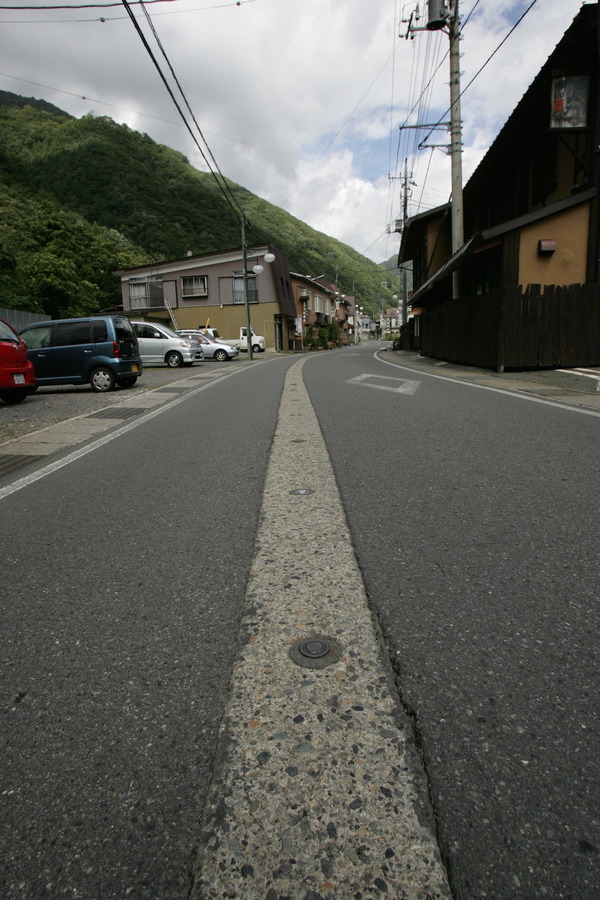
[17, 374]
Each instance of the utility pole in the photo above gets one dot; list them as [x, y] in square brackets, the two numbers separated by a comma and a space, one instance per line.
[246, 292]
[399, 227]
[458, 234]
[404, 220]
[443, 14]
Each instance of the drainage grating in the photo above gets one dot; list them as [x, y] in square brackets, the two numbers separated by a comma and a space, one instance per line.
[118, 412]
[16, 461]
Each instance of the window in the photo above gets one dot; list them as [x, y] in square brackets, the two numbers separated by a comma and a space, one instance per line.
[100, 331]
[194, 286]
[238, 289]
[145, 293]
[68, 333]
[147, 331]
[38, 337]
[7, 334]
[318, 305]
[123, 329]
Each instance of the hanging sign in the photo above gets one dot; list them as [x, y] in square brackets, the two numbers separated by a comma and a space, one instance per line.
[569, 101]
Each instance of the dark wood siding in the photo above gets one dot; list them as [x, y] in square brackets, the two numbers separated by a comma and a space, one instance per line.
[514, 328]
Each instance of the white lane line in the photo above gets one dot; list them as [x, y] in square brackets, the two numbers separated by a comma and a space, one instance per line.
[399, 386]
[89, 448]
[485, 387]
[585, 373]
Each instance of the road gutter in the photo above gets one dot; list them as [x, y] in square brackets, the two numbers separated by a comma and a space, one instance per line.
[318, 791]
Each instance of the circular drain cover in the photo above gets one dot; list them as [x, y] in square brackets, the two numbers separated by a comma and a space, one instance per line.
[302, 491]
[314, 648]
[315, 652]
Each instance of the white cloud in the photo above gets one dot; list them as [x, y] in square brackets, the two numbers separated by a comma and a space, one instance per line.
[298, 100]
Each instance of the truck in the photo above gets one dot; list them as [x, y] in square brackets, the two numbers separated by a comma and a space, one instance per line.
[258, 342]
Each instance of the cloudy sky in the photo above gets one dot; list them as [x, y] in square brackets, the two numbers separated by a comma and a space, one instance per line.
[300, 101]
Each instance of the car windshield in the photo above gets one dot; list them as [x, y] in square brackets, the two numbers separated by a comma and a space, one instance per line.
[7, 334]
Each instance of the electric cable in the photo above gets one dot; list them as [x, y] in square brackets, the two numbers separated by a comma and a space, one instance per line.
[181, 91]
[232, 202]
[171, 12]
[335, 136]
[38, 8]
[480, 70]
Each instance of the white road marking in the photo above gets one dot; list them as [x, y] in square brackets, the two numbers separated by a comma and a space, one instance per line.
[89, 448]
[399, 386]
[486, 387]
[585, 373]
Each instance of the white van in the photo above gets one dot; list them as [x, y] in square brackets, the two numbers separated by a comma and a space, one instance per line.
[160, 346]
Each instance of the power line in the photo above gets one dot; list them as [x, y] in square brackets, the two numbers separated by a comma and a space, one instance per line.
[87, 5]
[335, 136]
[222, 185]
[171, 12]
[137, 112]
[480, 70]
[181, 91]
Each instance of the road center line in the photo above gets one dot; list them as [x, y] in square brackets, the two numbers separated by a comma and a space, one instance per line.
[317, 790]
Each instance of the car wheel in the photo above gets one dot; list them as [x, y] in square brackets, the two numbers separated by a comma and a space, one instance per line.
[14, 396]
[174, 359]
[221, 355]
[102, 380]
[256, 348]
[127, 382]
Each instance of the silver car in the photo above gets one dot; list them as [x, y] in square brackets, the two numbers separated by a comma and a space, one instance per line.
[162, 346]
[212, 349]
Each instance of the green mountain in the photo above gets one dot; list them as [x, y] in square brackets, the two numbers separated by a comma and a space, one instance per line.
[80, 198]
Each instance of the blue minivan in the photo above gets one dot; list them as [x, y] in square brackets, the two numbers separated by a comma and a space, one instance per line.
[99, 350]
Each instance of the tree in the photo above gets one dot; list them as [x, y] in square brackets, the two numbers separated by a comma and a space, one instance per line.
[54, 286]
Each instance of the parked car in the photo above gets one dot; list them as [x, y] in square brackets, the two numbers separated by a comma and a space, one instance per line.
[212, 349]
[17, 374]
[99, 350]
[159, 345]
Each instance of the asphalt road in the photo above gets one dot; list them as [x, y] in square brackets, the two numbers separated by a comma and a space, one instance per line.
[475, 519]
[123, 575]
[59, 403]
[473, 514]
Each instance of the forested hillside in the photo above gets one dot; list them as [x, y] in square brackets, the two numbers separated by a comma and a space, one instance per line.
[80, 198]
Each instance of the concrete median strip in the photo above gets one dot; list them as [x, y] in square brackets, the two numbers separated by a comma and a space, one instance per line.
[318, 792]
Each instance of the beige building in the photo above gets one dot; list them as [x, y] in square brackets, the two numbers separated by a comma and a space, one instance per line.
[209, 289]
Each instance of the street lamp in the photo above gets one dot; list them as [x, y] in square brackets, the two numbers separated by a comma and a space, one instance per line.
[256, 270]
[394, 298]
[358, 315]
